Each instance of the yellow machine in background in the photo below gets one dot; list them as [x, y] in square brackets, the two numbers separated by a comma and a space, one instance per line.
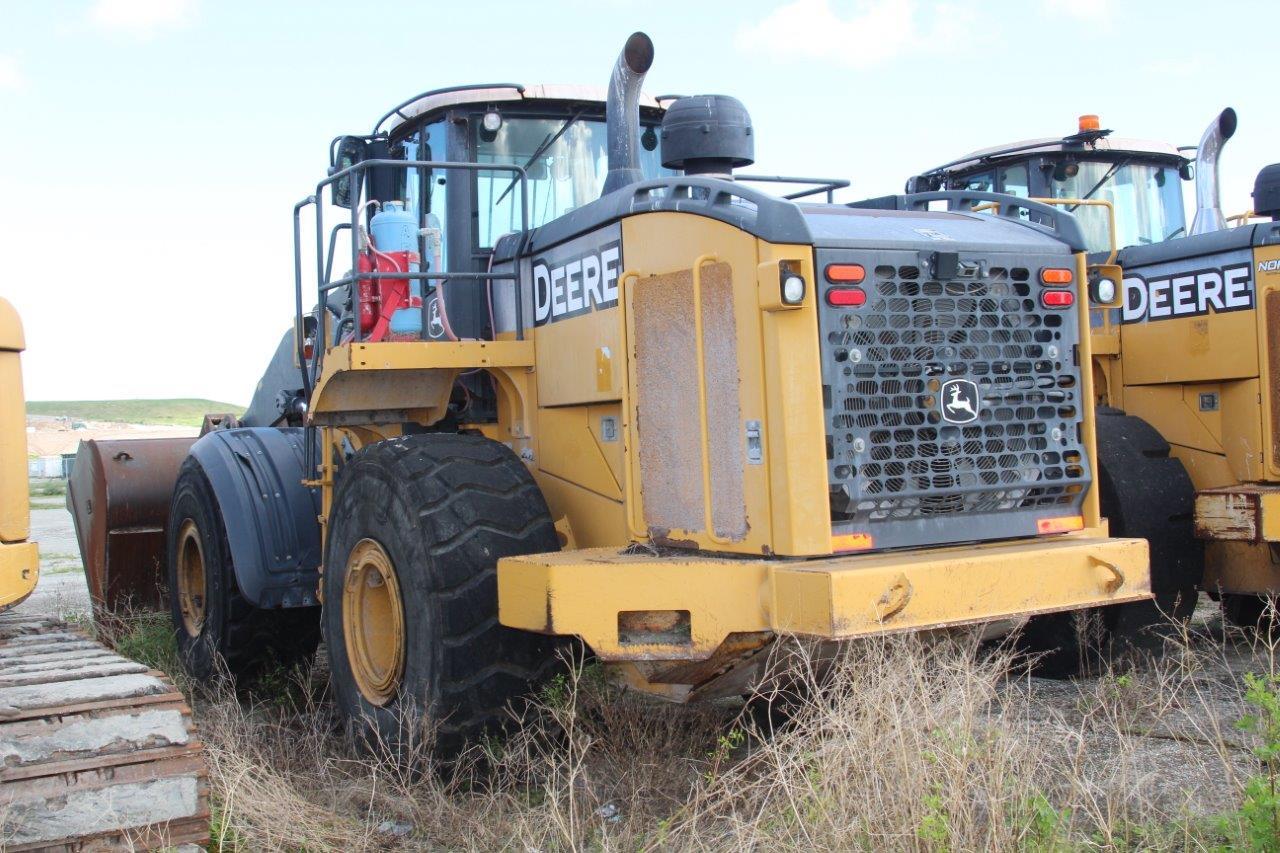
[99, 751]
[1193, 353]
[19, 558]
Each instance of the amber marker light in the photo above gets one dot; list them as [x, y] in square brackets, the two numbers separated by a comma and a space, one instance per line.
[1061, 524]
[845, 273]
[1055, 275]
[845, 542]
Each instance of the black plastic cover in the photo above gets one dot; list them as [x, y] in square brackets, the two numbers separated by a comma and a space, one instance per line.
[707, 134]
[1266, 192]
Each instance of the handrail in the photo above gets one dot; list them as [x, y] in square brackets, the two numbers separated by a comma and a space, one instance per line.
[628, 420]
[708, 519]
[355, 171]
[1241, 218]
[1092, 202]
[827, 185]
[447, 90]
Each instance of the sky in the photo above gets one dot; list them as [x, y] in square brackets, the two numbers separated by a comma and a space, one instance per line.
[152, 150]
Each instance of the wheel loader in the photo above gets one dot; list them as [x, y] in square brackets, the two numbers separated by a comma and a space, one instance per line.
[567, 376]
[1185, 367]
[96, 751]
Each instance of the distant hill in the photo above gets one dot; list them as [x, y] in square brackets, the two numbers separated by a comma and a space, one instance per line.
[183, 412]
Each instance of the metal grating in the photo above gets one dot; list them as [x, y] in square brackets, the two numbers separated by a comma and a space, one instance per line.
[892, 455]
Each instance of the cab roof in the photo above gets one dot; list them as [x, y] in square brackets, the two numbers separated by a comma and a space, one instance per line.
[1149, 148]
[492, 93]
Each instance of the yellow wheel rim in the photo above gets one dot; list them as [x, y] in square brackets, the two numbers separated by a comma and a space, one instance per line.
[373, 622]
[191, 578]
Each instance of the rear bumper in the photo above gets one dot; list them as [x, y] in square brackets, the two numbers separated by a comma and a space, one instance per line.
[1248, 512]
[636, 606]
[19, 571]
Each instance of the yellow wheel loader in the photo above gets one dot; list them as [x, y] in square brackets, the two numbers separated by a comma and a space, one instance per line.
[579, 379]
[1189, 353]
[96, 751]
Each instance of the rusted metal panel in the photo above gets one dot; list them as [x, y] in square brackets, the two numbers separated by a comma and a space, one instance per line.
[1248, 512]
[119, 495]
[1232, 515]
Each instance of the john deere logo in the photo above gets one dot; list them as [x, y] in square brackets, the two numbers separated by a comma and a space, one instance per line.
[959, 401]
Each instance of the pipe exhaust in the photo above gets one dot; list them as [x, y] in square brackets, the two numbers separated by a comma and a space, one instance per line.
[1208, 202]
[622, 112]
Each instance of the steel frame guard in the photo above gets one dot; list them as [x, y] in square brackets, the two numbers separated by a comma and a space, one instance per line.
[310, 369]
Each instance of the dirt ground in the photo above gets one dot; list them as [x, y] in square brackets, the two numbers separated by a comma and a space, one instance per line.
[52, 436]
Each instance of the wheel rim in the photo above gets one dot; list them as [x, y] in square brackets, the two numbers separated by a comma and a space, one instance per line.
[373, 622]
[191, 578]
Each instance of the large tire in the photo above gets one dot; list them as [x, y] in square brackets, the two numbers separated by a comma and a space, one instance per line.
[1252, 612]
[231, 635]
[1145, 494]
[441, 509]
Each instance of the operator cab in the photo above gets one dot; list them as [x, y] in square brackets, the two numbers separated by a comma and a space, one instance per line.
[1140, 178]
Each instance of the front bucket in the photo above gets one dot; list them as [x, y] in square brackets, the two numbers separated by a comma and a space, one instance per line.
[118, 495]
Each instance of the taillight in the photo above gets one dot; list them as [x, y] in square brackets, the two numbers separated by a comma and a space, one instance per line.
[845, 273]
[1057, 299]
[846, 297]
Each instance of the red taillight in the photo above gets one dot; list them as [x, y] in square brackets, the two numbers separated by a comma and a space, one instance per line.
[1050, 275]
[846, 297]
[1057, 299]
[845, 274]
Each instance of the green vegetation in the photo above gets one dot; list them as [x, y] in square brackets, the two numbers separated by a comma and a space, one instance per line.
[177, 412]
[48, 489]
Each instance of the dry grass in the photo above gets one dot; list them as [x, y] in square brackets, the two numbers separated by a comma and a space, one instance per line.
[898, 743]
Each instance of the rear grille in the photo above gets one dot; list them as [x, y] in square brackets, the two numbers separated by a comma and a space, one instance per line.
[891, 454]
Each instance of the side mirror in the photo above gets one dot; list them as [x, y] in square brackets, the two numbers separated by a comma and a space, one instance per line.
[348, 151]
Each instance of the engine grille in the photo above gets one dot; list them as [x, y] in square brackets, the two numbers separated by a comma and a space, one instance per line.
[893, 457]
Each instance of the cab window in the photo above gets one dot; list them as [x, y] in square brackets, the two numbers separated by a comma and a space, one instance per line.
[566, 162]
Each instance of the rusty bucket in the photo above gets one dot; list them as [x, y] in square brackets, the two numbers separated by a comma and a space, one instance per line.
[118, 495]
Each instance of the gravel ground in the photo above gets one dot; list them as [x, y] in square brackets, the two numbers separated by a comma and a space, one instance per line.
[62, 590]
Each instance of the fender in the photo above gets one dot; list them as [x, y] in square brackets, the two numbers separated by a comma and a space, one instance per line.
[270, 518]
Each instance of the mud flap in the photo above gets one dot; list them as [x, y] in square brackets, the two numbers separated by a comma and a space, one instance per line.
[271, 519]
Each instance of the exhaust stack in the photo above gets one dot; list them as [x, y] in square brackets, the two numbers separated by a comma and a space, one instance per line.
[622, 112]
[1208, 203]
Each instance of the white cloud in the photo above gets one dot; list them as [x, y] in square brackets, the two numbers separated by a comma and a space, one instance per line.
[855, 34]
[11, 77]
[1095, 11]
[142, 19]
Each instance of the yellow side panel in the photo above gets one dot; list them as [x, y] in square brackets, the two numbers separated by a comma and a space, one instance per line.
[1206, 470]
[578, 358]
[596, 521]
[11, 337]
[1240, 567]
[1266, 272]
[19, 571]
[796, 427]
[610, 445]
[1242, 429]
[1166, 408]
[657, 244]
[14, 522]
[568, 447]
[1193, 349]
